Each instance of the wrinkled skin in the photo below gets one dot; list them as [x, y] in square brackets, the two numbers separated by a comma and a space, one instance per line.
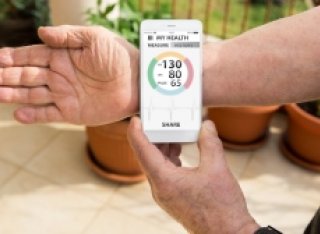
[81, 75]
[205, 199]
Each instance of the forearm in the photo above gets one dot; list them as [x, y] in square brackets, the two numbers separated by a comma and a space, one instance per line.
[275, 63]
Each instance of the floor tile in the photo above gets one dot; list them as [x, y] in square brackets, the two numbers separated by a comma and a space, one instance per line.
[19, 143]
[63, 161]
[6, 171]
[270, 168]
[237, 161]
[127, 194]
[278, 192]
[23, 182]
[137, 200]
[279, 207]
[115, 221]
[99, 191]
[30, 204]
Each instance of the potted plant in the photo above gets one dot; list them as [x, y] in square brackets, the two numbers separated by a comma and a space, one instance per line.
[110, 154]
[242, 128]
[300, 143]
[19, 21]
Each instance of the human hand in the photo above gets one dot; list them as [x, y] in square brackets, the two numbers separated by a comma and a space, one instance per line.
[205, 199]
[81, 75]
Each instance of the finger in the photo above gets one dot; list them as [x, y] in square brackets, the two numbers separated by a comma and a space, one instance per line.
[210, 146]
[23, 76]
[65, 36]
[35, 55]
[38, 114]
[175, 150]
[37, 95]
[171, 151]
[176, 161]
[164, 148]
[150, 157]
[174, 153]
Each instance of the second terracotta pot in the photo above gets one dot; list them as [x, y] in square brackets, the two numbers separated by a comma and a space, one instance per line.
[242, 125]
[303, 137]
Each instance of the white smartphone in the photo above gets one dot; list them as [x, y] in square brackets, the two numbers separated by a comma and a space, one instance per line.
[171, 79]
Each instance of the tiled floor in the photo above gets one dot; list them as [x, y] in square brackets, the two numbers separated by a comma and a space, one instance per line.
[45, 186]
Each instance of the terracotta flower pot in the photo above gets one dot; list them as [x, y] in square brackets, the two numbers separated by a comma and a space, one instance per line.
[242, 128]
[301, 142]
[110, 154]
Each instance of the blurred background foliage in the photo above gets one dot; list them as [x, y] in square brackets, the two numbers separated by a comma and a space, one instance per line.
[128, 22]
[131, 14]
[36, 9]
[256, 17]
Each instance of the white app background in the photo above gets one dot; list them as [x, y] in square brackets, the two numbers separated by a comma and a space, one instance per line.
[161, 105]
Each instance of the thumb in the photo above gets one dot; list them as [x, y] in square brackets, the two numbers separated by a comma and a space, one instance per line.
[65, 36]
[149, 156]
[210, 146]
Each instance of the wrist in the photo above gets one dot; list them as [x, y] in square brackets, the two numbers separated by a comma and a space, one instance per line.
[247, 225]
[135, 64]
[249, 228]
[134, 55]
[211, 73]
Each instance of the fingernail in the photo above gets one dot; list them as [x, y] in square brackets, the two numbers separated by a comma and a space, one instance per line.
[209, 126]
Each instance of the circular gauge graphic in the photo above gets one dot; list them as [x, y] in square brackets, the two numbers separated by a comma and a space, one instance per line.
[170, 73]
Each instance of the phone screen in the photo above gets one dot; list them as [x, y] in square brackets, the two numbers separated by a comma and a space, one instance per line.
[171, 79]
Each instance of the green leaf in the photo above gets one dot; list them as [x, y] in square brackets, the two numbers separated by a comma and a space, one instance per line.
[20, 4]
[126, 11]
[109, 9]
[131, 5]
